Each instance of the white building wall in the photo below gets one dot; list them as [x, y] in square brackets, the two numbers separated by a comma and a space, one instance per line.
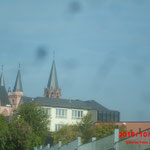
[63, 121]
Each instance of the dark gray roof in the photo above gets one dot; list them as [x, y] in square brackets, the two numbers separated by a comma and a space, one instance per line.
[53, 82]
[2, 83]
[18, 83]
[4, 100]
[65, 103]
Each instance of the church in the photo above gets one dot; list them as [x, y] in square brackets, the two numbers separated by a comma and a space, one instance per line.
[60, 111]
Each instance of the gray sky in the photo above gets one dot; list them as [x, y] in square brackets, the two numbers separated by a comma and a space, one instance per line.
[102, 50]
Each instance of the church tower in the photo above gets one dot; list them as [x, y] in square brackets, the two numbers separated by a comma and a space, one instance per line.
[4, 101]
[2, 83]
[53, 90]
[17, 91]
[5, 107]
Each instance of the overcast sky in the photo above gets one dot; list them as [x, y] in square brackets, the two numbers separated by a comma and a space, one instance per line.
[102, 50]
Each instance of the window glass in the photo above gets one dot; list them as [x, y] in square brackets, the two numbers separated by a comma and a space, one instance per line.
[77, 114]
[61, 113]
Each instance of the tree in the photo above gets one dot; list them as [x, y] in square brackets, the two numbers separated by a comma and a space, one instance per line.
[66, 134]
[36, 117]
[20, 137]
[4, 132]
[85, 126]
[104, 129]
[70, 132]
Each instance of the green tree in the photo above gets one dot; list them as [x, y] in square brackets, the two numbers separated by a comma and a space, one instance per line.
[20, 137]
[123, 128]
[85, 127]
[4, 132]
[104, 129]
[70, 132]
[66, 134]
[36, 117]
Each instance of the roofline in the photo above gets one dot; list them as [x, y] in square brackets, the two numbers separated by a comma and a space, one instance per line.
[133, 121]
[62, 107]
[129, 122]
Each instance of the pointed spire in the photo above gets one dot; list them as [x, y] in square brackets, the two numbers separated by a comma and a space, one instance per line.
[3, 93]
[2, 83]
[53, 82]
[18, 83]
[9, 88]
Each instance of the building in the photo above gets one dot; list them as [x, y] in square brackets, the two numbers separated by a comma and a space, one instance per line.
[134, 126]
[130, 126]
[5, 106]
[61, 111]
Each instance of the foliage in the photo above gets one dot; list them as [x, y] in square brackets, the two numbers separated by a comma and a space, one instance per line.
[104, 129]
[20, 137]
[35, 116]
[4, 132]
[70, 132]
[85, 127]
[123, 128]
[66, 134]
[27, 129]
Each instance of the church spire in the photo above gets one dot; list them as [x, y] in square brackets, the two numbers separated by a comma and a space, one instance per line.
[2, 83]
[3, 93]
[18, 83]
[53, 82]
[53, 90]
